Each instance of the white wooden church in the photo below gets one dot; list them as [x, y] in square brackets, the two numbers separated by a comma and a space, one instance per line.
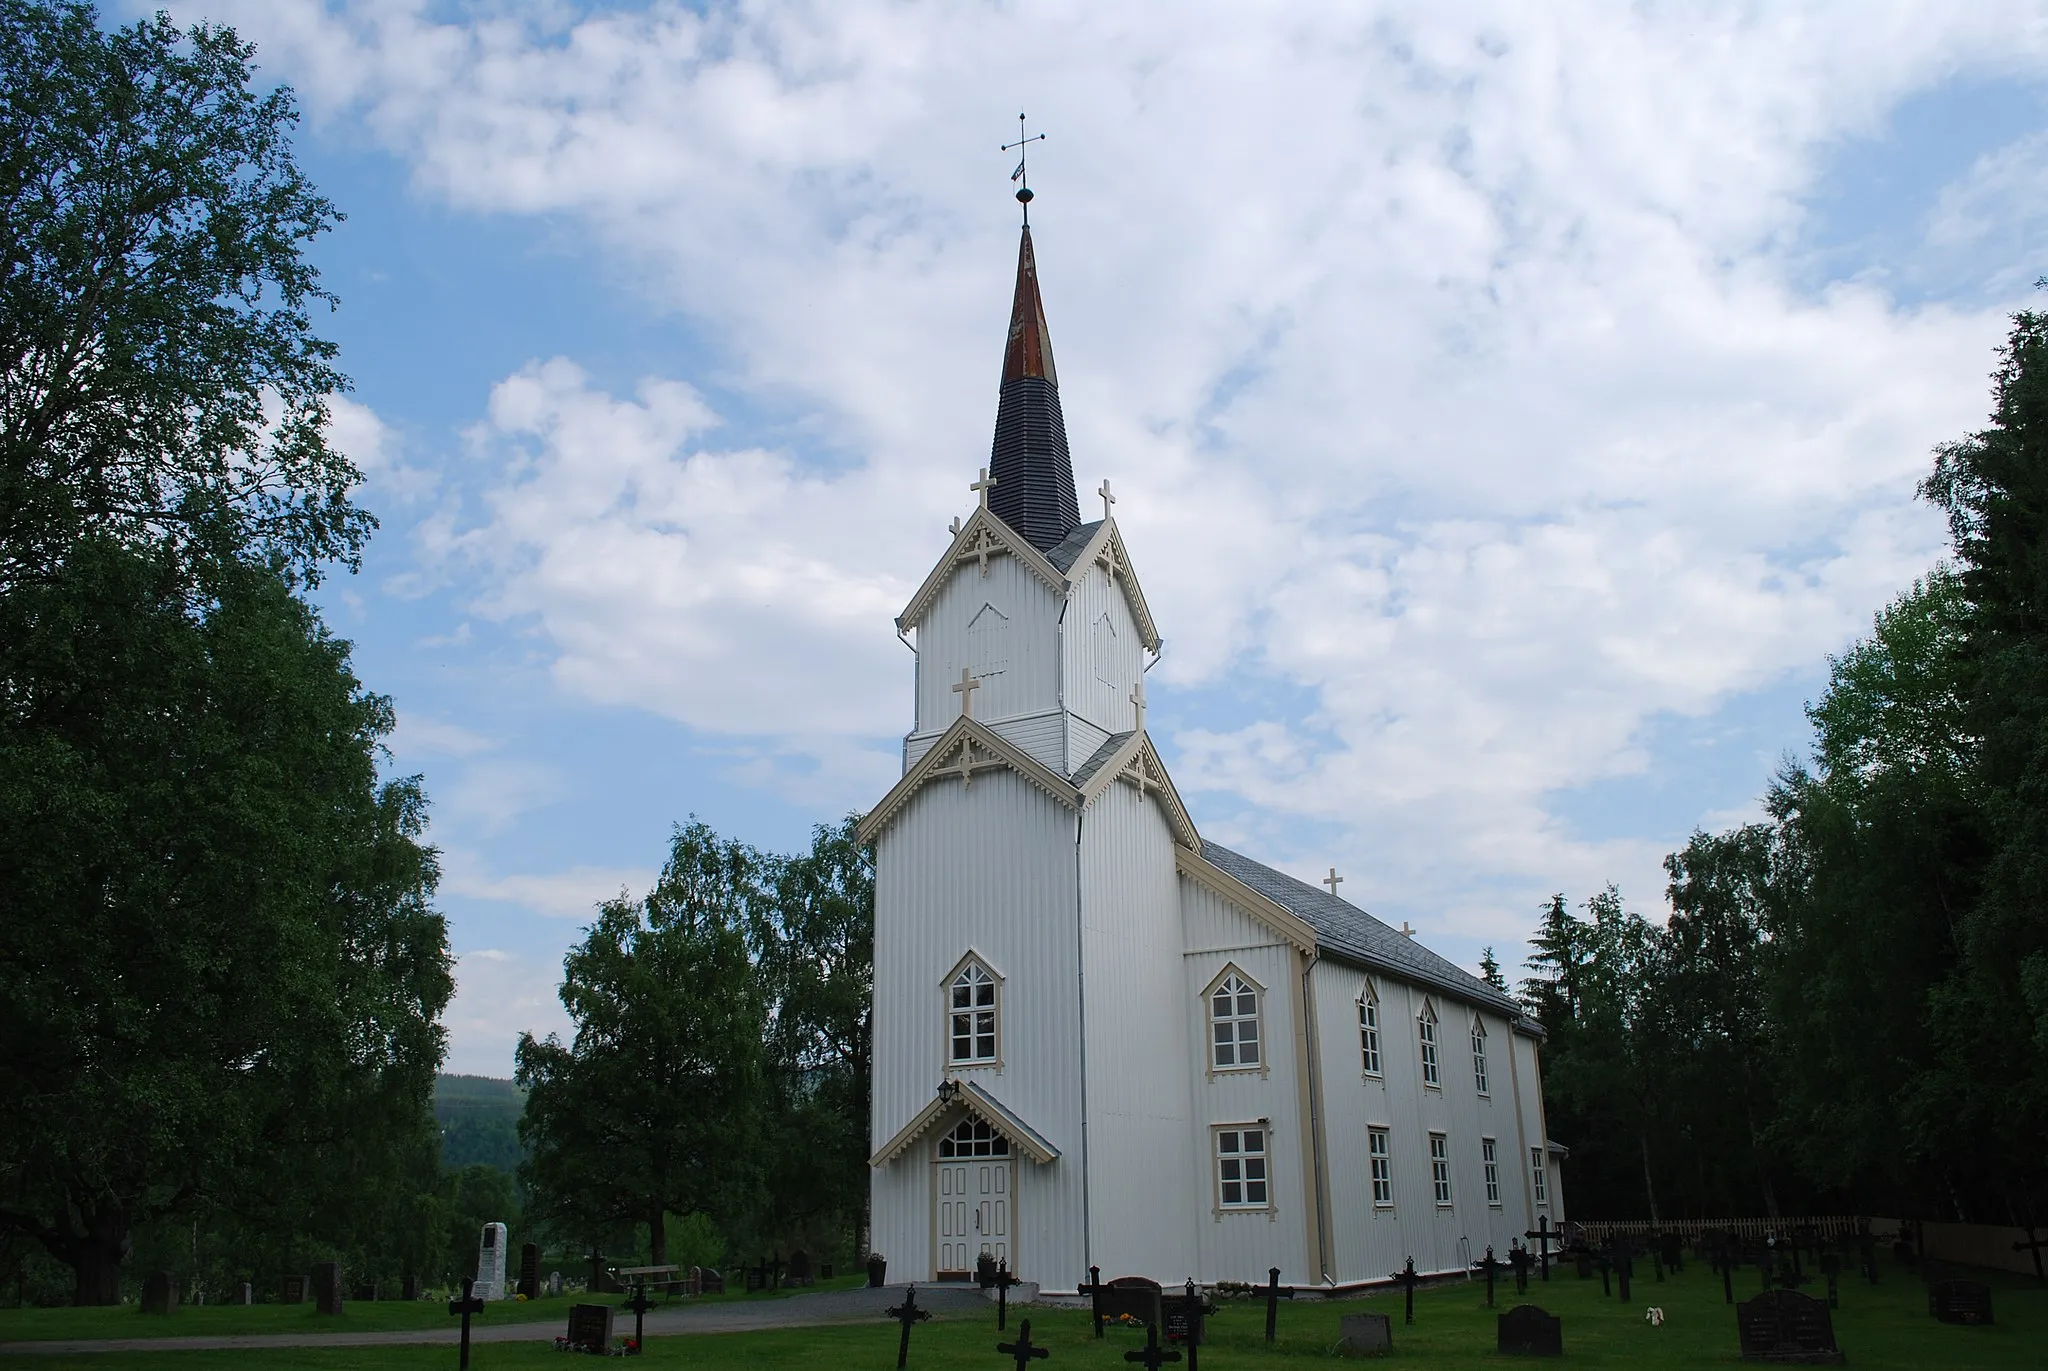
[1102, 1040]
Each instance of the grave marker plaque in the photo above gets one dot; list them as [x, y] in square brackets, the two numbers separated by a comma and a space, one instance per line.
[1185, 1319]
[1366, 1335]
[1527, 1331]
[1957, 1301]
[1132, 1297]
[1786, 1326]
[158, 1296]
[590, 1328]
[799, 1267]
[292, 1290]
[327, 1287]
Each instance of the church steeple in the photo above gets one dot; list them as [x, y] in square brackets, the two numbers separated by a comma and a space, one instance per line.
[1034, 476]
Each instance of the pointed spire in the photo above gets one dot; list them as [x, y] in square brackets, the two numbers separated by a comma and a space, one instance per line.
[1034, 477]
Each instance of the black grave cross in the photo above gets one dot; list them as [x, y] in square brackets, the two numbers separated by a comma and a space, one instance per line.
[1406, 1275]
[2032, 1245]
[1184, 1316]
[1727, 1251]
[1657, 1254]
[1152, 1356]
[1274, 1294]
[775, 1270]
[1606, 1264]
[1831, 1267]
[1866, 1243]
[1624, 1257]
[466, 1306]
[1518, 1257]
[639, 1304]
[1489, 1264]
[1022, 1351]
[907, 1314]
[1094, 1289]
[1544, 1235]
[1004, 1280]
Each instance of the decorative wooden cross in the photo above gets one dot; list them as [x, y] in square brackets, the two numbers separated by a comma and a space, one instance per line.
[1544, 1235]
[1406, 931]
[1107, 498]
[983, 486]
[2033, 1245]
[954, 527]
[639, 1304]
[1518, 1257]
[1021, 1351]
[1152, 1356]
[907, 1314]
[1004, 1280]
[1406, 1275]
[1094, 1292]
[1333, 880]
[1138, 699]
[1490, 1265]
[466, 1306]
[965, 690]
[1274, 1294]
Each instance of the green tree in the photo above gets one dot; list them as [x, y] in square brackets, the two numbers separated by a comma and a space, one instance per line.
[215, 926]
[162, 381]
[655, 1106]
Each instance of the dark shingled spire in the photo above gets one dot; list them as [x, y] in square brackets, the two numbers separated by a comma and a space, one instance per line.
[1034, 491]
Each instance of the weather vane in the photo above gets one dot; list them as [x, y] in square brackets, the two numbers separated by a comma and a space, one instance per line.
[1019, 176]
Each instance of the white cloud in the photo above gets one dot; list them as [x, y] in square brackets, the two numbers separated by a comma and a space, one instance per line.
[499, 995]
[1445, 360]
[418, 734]
[571, 894]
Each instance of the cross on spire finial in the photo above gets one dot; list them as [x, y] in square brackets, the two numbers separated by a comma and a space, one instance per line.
[1333, 880]
[1107, 498]
[965, 690]
[1020, 176]
[983, 486]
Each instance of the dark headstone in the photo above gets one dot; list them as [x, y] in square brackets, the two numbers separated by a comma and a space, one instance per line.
[824, 1271]
[248, 1293]
[327, 1287]
[1133, 1297]
[409, 1288]
[529, 1271]
[1671, 1251]
[713, 1281]
[799, 1267]
[158, 1295]
[1184, 1319]
[757, 1278]
[1960, 1301]
[878, 1272]
[1527, 1331]
[1366, 1335]
[364, 1290]
[1786, 1326]
[590, 1327]
[292, 1290]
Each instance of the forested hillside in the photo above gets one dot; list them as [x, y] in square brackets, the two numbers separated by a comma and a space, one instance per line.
[479, 1118]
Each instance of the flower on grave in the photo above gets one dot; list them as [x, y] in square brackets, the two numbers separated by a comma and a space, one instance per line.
[1654, 1317]
[520, 1297]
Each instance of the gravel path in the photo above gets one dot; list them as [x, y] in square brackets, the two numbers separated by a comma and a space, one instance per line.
[797, 1311]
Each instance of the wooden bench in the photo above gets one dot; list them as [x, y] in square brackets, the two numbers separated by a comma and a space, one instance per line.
[668, 1279]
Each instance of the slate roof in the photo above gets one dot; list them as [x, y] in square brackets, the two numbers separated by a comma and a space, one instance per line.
[1344, 930]
[1033, 474]
[1063, 553]
[1099, 757]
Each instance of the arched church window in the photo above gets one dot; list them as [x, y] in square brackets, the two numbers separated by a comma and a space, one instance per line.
[973, 1138]
[1479, 1055]
[1369, 1031]
[971, 1015]
[1234, 1024]
[1425, 1032]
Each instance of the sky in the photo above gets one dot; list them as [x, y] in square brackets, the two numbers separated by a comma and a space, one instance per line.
[1510, 407]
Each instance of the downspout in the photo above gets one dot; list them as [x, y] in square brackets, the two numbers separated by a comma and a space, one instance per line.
[1081, 998]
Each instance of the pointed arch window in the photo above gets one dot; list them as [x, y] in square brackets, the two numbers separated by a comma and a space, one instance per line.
[1425, 1034]
[1235, 1039]
[1479, 1055]
[1369, 1030]
[973, 1015]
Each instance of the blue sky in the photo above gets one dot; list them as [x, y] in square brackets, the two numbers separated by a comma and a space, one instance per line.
[1509, 411]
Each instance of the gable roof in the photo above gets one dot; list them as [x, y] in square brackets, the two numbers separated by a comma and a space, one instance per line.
[983, 536]
[1131, 757]
[966, 748]
[1345, 931]
[955, 1098]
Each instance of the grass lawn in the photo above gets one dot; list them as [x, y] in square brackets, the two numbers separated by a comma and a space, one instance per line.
[357, 1316]
[1882, 1327]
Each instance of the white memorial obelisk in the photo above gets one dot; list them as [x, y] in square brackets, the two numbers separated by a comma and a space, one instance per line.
[490, 1263]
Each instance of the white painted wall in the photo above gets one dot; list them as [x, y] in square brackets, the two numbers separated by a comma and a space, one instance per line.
[1093, 653]
[989, 868]
[1018, 666]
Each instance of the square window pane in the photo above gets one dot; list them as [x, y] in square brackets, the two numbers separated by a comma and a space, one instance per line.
[1254, 1140]
[1254, 1168]
[1255, 1192]
[1248, 1054]
[1233, 1193]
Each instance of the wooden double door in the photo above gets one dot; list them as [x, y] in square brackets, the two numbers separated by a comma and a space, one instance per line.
[973, 1203]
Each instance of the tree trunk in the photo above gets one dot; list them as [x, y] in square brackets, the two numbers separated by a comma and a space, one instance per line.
[1649, 1185]
[657, 1236]
[95, 1256]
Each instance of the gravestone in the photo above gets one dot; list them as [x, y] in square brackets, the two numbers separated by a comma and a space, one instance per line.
[554, 1286]
[490, 1263]
[365, 1291]
[1366, 1335]
[1184, 1318]
[1786, 1326]
[757, 1279]
[327, 1287]
[158, 1295]
[1960, 1301]
[824, 1271]
[590, 1328]
[529, 1270]
[1132, 1297]
[799, 1267]
[409, 1288]
[1671, 1250]
[1519, 1258]
[292, 1290]
[1527, 1331]
[248, 1293]
[712, 1282]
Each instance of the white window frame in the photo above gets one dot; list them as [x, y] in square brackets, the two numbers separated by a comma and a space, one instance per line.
[1242, 1165]
[1440, 1168]
[963, 976]
[1489, 1154]
[1479, 1055]
[1379, 1152]
[1369, 1031]
[1425, 1034]
[1237, 1021]
[1539, 1188]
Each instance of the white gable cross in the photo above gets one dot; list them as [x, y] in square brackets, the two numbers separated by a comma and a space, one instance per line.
[1333, 880]
[965, 690]
[983, 486]
[954, 527]
[1406, 931]
[1107, 498]
[1138, 699]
